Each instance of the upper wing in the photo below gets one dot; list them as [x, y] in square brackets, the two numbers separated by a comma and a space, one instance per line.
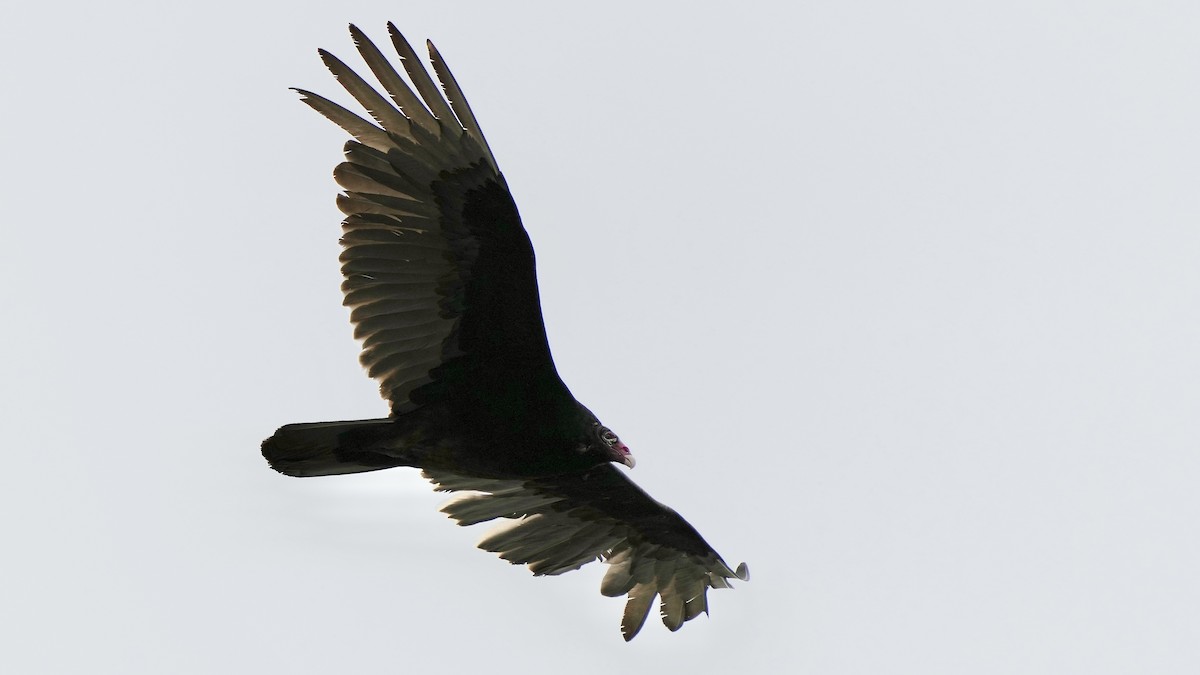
[564, 522]
[439, 271]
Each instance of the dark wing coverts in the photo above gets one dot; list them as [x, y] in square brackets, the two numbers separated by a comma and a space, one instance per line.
[440, 277]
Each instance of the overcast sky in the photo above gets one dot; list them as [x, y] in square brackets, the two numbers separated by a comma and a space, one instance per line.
[897, 302]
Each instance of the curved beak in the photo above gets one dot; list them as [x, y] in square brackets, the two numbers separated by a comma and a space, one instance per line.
[624, 455]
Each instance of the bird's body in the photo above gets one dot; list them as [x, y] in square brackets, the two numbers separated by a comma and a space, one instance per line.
[440, 275]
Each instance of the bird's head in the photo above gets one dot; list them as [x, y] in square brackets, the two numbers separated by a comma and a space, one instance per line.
[615, 449]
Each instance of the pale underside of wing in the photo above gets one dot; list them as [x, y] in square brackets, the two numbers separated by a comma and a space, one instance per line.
[553, 533]
[403, 266]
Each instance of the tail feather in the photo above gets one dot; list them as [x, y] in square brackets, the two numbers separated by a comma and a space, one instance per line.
[328, 448]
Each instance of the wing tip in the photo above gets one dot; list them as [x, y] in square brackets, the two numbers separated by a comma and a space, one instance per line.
[395, 34]
[742, 572]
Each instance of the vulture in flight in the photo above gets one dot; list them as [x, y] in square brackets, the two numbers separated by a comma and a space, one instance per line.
[439, 275]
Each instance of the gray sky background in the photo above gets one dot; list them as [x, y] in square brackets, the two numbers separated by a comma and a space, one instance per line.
[897, 302]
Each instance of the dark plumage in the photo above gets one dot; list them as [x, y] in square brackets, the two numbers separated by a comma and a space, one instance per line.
[439, 275]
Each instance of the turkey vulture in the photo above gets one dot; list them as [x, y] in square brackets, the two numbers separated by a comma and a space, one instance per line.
[439, 276]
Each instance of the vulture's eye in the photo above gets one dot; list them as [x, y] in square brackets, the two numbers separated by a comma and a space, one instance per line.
[609, 437]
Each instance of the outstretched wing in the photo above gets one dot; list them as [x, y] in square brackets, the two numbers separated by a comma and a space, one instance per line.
[563, 522]
[439, 271]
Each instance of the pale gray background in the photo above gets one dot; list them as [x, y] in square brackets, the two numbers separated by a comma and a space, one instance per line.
[895, 301]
